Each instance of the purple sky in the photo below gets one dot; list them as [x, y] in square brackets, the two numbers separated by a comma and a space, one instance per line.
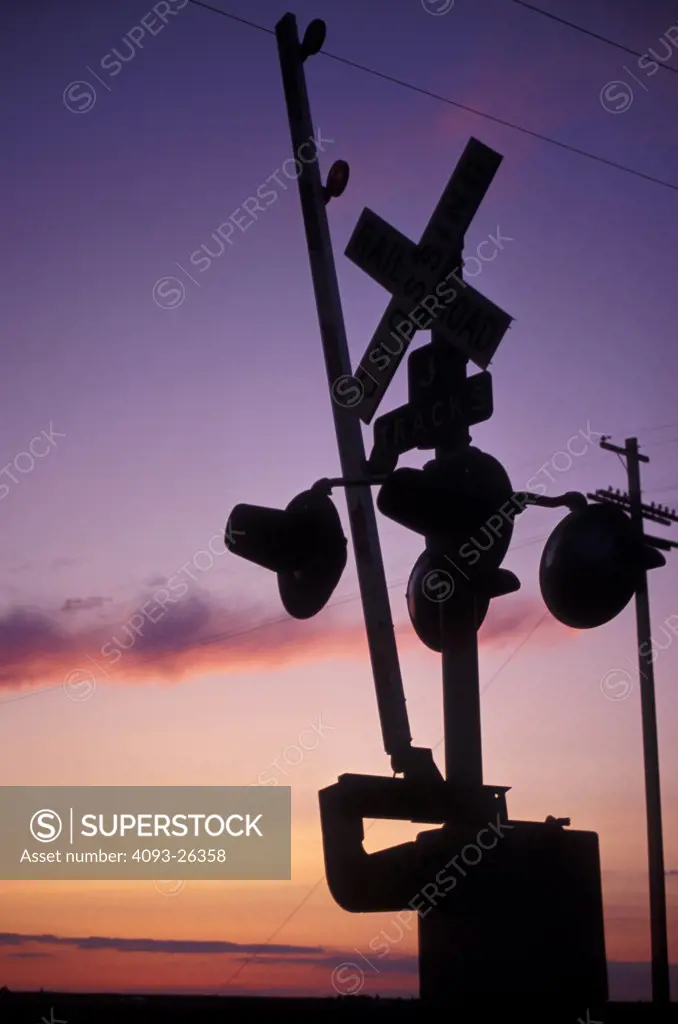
[173, 415]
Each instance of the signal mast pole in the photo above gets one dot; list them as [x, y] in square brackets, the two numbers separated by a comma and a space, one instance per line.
[661, 990]
[459, 634]
[371, 576]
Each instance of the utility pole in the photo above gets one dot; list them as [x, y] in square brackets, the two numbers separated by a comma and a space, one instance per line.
[633, 504]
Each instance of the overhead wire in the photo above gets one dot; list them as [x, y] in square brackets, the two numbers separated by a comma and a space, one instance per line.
[588, 32]
[347, 599]
[455, 103]
[216, 638]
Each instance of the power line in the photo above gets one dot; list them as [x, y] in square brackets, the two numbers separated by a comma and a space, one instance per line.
[207, 641]
[503, 665]
[600, 455]
[588, 32]
[280, 927]
[216, 638]
[460, 106]
[234, 17]
[31, 693]
[661, 426]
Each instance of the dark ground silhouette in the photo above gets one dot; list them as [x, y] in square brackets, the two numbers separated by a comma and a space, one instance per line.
[50, 1008]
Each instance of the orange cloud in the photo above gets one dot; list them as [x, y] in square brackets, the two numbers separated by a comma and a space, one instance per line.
[198, 635]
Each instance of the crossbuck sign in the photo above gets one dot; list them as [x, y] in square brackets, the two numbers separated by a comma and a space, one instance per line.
[419, 276]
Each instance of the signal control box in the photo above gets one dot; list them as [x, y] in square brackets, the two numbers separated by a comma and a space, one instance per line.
[508, 911]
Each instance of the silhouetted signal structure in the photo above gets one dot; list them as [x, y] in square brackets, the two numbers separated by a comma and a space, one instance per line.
[528, 922]
[418, 276]
[633, 510]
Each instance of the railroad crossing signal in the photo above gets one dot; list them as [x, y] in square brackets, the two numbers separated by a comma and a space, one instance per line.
[418, 276]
